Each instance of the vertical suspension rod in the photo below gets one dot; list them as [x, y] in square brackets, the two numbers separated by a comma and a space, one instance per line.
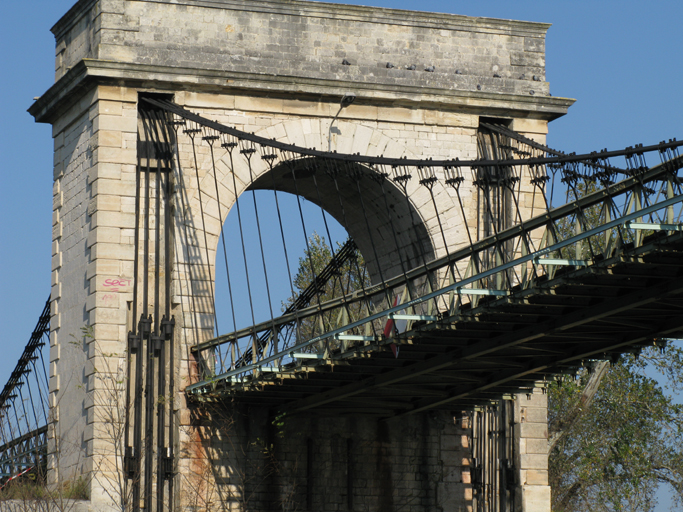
[168, 247]
[158, 341]
[133, 455]
[149, 367]
[402, 182]
[210, 140]
[192, 133]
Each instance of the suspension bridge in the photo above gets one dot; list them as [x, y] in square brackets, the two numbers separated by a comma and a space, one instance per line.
[241, 320]
[588, 279]
[24, 410]
[524, 300]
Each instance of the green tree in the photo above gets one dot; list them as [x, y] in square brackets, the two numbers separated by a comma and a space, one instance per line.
[616, 434]
[349, 277]
[335, 275]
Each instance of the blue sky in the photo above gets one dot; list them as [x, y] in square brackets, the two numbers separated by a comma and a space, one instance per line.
[620, 60]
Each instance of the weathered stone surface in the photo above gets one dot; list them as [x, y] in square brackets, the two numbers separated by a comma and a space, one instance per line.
[272, 67]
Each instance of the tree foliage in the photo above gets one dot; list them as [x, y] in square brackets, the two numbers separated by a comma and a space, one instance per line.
[615, 432]
[350, 276]
[613, 451]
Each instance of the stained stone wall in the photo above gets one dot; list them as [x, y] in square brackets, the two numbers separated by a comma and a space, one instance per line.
[274, 68]
[326, 463]
[310, 40]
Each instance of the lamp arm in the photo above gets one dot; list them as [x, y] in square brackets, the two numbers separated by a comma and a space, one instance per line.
[329, 135]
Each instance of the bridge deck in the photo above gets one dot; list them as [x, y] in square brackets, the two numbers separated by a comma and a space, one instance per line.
[500, 346]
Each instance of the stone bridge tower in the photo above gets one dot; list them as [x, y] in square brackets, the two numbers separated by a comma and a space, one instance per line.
[277, 68]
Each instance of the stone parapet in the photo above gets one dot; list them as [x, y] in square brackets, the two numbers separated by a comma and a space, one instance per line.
[295, 47]
[310, 39]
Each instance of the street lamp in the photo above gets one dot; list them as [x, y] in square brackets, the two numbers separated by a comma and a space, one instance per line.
[346, 100]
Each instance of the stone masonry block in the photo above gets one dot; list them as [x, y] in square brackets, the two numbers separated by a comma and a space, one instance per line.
[58, 200]
[534, 461]
[453, 474]
[103, 234]
[258, 104]
[116, 155]
[527, 59]
[114, 93]
[308, 108]
[113, 187]
[533, 414]
[534, 430]
[104, 332]
[402, 115]
[534, 44]
[112, 251]
[113, 219]
[54, 335]
[536, 399]
[110, 138]
[109, 108]
[535, 498]
[103, 267]
[361, 139]
[529, 126]
[56, 261]
[103, 300]
[107, 316]
[435, 117]
[453, 442]
[54, 383]
[538, 446]
[58, 140]
[56, 292]
[363, 112]
[111, 284]
[295, 134]
[453, 458]
[203, 100]
[535, 477]
[55, 352]
[115, 123]
[108, 202]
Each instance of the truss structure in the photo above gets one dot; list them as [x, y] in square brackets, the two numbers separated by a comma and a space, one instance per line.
[590, 279]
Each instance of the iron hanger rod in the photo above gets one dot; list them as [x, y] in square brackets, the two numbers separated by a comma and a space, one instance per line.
[404, 162]
[197, 387]
[508, 234]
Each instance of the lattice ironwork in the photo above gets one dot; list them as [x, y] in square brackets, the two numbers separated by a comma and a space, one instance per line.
[612, 214]
[24, 410]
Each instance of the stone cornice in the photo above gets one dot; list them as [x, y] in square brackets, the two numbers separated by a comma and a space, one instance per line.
[71, 17]
[337, 11]
[373, 15]
[90, 72]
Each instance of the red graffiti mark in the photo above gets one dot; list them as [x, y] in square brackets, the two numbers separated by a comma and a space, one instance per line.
[108, 296]
[115, 284]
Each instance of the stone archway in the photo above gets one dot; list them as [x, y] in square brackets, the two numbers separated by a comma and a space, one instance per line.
[370, 219]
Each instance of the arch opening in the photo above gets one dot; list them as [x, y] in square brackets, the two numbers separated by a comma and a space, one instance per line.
[298, 208]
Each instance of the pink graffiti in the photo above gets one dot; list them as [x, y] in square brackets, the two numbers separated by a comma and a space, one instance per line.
[115, 284]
